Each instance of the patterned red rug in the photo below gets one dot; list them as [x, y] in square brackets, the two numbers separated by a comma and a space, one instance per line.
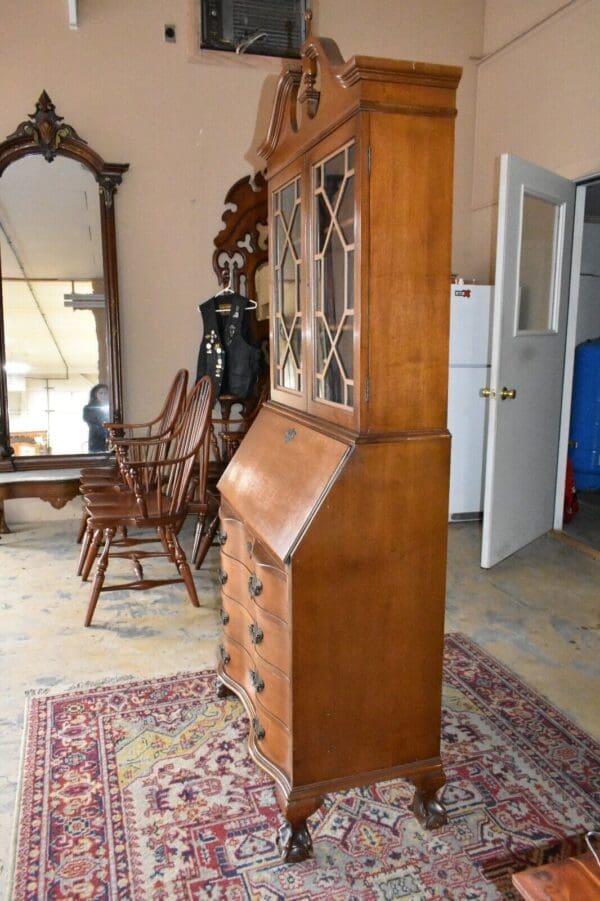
[144, 790]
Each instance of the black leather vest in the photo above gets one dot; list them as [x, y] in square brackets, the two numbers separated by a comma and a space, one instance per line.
[225, 353]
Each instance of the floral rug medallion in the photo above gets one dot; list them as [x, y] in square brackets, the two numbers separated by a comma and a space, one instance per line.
[145, 790]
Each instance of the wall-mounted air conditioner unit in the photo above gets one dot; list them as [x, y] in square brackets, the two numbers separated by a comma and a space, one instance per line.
[265, 27]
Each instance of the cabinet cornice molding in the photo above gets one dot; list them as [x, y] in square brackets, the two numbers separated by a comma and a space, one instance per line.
[326, 88]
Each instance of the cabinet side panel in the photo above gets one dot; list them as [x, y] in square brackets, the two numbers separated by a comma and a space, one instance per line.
[410, 225]
[368, 614]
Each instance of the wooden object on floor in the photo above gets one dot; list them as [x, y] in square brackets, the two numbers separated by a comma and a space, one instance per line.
[240, 261]
[56, 486]
[161, 490]
[241, 247]
[574, 879]
[334, 507]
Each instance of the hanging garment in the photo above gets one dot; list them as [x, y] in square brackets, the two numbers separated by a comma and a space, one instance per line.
[226, 354]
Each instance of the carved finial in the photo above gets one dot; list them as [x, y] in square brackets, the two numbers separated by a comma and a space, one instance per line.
[44, 128]
[308, 17]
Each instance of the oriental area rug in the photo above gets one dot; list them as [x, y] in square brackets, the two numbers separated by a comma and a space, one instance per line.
[145, 790]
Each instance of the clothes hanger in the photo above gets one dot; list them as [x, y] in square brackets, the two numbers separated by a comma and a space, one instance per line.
[227, 289]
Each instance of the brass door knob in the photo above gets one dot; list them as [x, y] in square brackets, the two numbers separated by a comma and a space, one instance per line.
[486, 392]
[508, 393]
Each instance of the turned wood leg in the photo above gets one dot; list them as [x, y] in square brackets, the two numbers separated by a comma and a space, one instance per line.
[294, 841]
[164, 540]
[92, 553]
[428, 809]
[86, 540]
[203, 541]
[82, 528]
[183, 567]
[98, 582]
[4, 530]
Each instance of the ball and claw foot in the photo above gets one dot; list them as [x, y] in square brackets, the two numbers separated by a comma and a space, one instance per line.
[430, 812]
[294, 844]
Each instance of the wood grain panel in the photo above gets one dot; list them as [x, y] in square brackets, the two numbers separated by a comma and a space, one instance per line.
[279, 476]
[372, 617]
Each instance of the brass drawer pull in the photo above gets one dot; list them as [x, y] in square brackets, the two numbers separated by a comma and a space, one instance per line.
[220, 537]
[259, 730]
[224, 617]
[254, 586]
[256, 680]
[256, 634]
[225, 658]
[222, 577]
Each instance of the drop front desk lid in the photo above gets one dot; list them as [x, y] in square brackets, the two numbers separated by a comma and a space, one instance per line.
[279, 477]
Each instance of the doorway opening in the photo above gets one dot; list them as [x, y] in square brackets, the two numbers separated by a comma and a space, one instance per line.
[579, 438]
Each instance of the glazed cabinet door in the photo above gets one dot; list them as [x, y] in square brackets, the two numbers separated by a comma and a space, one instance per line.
[288, 318]
[333, 189]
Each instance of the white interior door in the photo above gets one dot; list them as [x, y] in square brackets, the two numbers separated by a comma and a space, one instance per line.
[535, 230]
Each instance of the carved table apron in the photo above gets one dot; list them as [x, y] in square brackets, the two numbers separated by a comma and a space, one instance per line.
[57, 486]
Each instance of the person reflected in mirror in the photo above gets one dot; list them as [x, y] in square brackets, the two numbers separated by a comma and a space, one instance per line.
[95, 413]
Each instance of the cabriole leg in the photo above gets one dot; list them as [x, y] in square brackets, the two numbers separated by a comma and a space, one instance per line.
[428, 809]
[294, 841]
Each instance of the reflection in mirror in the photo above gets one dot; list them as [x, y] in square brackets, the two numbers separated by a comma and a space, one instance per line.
[59, 300]
[54, 305]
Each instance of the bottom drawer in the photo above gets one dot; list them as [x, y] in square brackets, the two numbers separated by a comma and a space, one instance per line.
[271, 737]
[273, 740]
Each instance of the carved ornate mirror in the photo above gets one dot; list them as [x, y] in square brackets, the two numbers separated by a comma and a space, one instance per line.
[59, 305]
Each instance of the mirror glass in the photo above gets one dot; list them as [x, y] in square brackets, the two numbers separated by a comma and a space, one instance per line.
[54, 307]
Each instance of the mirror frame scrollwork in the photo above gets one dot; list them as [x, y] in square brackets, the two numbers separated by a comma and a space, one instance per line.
[46, 133]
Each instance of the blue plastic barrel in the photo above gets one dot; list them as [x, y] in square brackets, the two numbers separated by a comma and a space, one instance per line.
[585, 416]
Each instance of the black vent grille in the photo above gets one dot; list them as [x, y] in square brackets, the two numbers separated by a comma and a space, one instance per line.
[232, 24]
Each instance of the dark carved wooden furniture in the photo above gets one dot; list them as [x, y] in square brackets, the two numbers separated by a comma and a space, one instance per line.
[240, 262]
[130, 441]
[566, 880]
[45, 133]
[56, 486]
[241, 245]
[161, 488]
[334, 507]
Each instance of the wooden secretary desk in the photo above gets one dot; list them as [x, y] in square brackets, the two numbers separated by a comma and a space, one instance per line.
[334, 508]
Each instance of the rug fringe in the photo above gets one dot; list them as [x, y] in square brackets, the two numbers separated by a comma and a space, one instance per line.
[124, 678]
[14, 839]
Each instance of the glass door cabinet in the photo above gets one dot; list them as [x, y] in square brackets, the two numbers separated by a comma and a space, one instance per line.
[334, 508]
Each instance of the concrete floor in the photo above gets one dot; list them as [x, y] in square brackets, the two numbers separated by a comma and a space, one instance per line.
[538, 612]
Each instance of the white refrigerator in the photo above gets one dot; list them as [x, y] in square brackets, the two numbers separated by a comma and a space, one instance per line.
[470, 320]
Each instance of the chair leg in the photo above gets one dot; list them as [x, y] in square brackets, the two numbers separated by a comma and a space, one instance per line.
[201, 547]
[109, 534]
[167, 546]
[91, 554]
[183, 567]
[86, 540]
[82, 529]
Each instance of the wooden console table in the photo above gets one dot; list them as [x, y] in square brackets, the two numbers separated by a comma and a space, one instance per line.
[57, 486]
[574, 879]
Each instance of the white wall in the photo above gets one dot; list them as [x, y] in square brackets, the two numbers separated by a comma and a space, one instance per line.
[538, 98]
[189, 124]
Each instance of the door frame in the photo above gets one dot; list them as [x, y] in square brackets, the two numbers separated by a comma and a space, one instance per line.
[569, 364]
